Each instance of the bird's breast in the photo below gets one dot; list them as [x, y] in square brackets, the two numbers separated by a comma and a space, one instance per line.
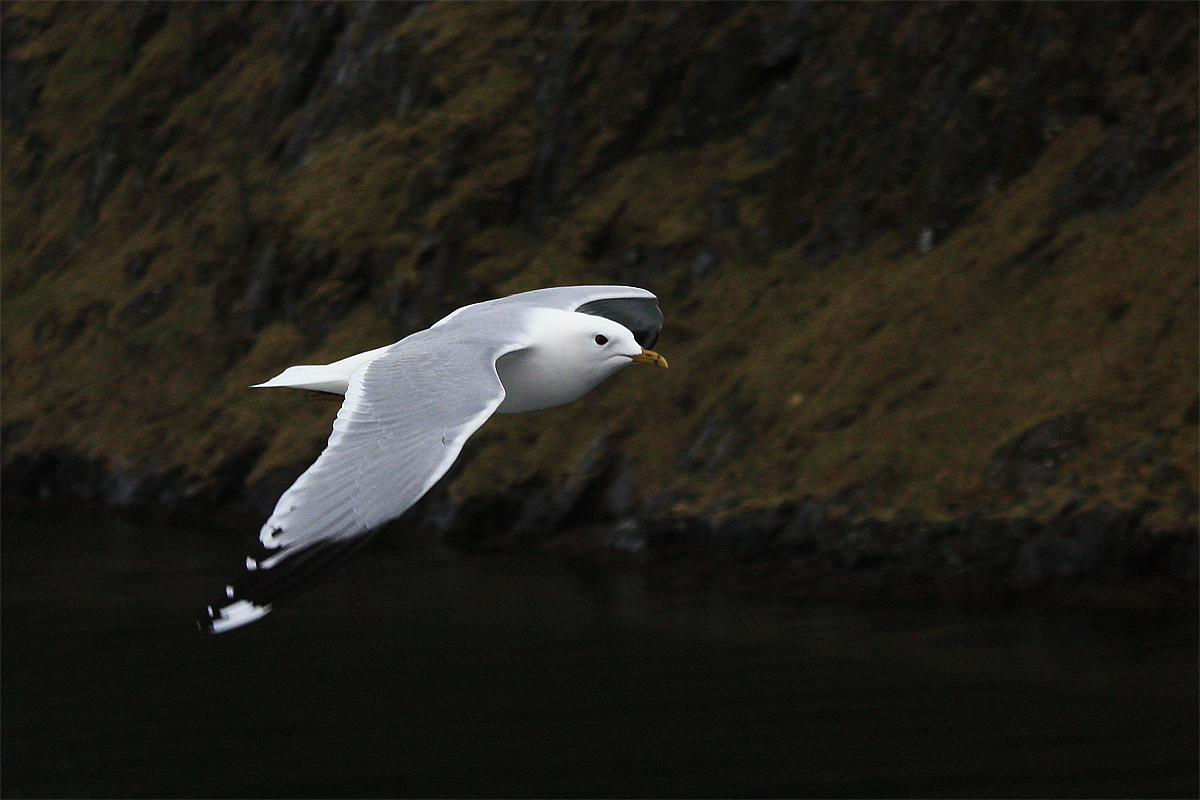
[534, 379]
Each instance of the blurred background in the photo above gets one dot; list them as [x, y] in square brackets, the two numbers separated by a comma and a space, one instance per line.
[929, 274]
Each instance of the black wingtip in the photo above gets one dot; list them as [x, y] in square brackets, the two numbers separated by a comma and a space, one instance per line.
[641, 315]
[255, 595]
[234, 615]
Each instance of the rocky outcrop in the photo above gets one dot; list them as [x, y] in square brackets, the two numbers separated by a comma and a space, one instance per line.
[928, 270]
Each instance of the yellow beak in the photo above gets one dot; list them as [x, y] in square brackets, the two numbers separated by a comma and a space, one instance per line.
[650, 357]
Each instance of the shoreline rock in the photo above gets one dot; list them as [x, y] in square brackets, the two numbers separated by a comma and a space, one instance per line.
[1102, 556]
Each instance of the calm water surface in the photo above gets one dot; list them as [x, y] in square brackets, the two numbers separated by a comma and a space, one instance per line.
[522, 676]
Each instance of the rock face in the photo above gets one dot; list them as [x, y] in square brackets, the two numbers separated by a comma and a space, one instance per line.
[929, 271]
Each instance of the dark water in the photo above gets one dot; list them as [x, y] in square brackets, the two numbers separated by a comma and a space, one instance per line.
[521, 676]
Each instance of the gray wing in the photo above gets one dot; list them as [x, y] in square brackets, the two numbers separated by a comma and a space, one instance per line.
[563, 298]
[403, 423]
[635, 308]
[570, 298]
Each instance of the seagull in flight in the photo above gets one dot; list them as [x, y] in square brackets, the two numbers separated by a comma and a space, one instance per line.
[410, 406]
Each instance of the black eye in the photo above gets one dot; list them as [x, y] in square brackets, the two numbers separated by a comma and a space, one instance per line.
[601, 338]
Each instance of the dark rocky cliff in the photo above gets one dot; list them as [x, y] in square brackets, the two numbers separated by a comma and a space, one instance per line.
[929, 270]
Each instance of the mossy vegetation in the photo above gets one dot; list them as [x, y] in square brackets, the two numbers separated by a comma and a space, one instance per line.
[858, 304]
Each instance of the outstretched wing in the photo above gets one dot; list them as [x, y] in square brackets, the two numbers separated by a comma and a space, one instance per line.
[633, 307]
[403, 423]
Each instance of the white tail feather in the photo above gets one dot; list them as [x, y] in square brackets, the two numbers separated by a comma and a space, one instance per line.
[333, 378]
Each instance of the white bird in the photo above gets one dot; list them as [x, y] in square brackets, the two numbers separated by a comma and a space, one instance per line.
[410, 406]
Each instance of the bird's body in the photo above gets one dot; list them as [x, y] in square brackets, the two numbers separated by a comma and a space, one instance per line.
[410, 406]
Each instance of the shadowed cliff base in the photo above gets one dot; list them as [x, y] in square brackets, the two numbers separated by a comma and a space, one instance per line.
[929, 272]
